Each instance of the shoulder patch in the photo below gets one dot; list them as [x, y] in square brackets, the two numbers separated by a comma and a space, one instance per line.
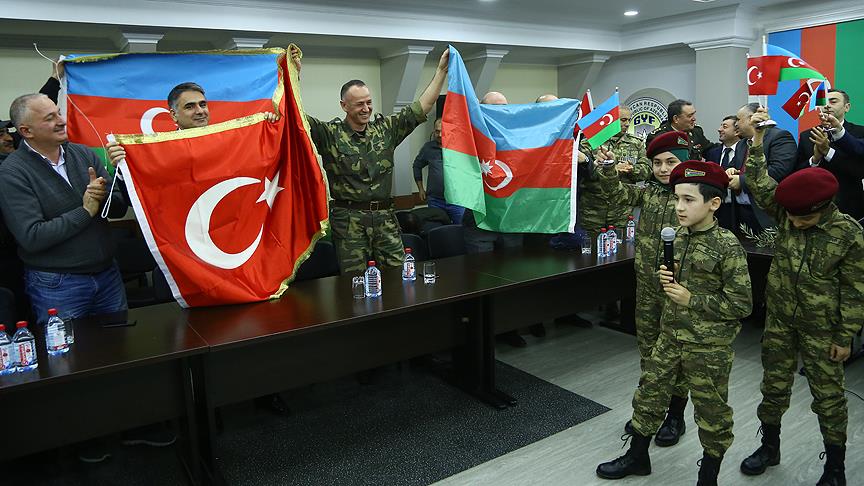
[681, 141]
[694, 173]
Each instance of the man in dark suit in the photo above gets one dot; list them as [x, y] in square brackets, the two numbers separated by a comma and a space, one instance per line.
[816, 148]
[737, 207]
[779, 144]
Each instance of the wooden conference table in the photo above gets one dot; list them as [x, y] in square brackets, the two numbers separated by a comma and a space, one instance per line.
[185, 363]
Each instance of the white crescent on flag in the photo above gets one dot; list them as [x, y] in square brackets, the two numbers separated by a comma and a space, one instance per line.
[603, 121]
[749, 72]
[794, 62]
[147, 119]
[486, 169]
[197, 229]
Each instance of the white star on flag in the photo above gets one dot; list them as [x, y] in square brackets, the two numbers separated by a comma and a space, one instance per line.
[271, 188]
[486, 167]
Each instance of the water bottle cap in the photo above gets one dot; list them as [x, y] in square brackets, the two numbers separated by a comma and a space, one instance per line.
[371, 263]
[2, 327]
[21, 324]
[630, 217]
[407, 250]
[52, 312]
[603, 229]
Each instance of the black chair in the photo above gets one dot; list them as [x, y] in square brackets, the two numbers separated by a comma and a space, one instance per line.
[417, 245]
[134, 259]
[446, 241]
[323, 262]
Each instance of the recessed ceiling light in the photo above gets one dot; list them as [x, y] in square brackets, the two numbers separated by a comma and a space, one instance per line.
[631, 13]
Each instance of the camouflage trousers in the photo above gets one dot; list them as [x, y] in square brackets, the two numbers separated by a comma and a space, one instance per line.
[781, 344]
[649, 306]
[360, 236]
[704, 370]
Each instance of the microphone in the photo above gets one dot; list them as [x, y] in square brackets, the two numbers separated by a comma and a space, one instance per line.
[667, 234]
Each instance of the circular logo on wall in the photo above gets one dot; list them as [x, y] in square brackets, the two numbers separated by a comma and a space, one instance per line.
[648, 114]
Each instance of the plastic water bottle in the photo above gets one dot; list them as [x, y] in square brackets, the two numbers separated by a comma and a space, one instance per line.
[6, 364]
[24, 348]
[602, 243]
[409, 269]
[372, 280]
[56, 341]
[631, 230]
[612, 238]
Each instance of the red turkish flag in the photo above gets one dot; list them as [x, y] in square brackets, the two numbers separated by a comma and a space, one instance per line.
[799, 101]
[231, 210]
[763, 74]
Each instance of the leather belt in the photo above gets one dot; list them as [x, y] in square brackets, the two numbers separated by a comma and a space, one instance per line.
[364, 205]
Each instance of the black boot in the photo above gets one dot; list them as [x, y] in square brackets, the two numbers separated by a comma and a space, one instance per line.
[709, 467]
[768, 454]
[634, 462]
[673, 427]
[628, 428]
[834, 473]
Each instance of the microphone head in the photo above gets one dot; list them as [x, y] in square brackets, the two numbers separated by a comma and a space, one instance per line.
[667, 234]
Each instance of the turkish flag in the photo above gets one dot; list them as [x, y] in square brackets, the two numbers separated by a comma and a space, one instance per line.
[230, 210]
[763, 74]
[798, 101]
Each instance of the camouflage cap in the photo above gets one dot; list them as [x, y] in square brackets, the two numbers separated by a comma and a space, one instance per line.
[697, 172]
[668, 142]
[806, 191]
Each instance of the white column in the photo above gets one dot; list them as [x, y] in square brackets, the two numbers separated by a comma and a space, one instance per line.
[482, 66]
[721, 87]
[139, 42]
[578, 74]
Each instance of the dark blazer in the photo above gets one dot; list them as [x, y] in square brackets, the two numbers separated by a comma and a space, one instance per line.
[715, 154]
[847, 167]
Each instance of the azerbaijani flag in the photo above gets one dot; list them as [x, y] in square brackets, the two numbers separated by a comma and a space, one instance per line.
[792, 67]
[835, 51]
[514, 166]
[127, 93]
[602, 123]
[818, 98]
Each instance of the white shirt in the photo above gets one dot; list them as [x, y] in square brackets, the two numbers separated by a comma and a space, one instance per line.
[741, 198]
[59, 167]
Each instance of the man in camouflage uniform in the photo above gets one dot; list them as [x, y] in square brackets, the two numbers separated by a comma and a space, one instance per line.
[357, 154]
[658, 211]
[681, 116]
[815, 302]
[633, 166]
[704, 299]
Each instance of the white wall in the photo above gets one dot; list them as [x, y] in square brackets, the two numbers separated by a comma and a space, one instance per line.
[23, 72]
[523, 83]
[673, 70]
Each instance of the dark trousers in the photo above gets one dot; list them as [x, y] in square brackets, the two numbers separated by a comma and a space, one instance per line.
[732, 215]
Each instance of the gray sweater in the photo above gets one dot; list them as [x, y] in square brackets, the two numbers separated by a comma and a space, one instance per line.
[47, 217]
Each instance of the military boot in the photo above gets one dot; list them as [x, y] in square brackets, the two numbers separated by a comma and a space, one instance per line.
[768, 454]
[635, 462]
[709, 467]
[834, 473]
[673, 427]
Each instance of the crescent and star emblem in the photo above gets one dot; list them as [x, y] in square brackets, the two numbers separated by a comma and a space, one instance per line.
[603, 121]
[794, 62]
[198, 221]
[147, 119]
[750, 81]
[486, 169]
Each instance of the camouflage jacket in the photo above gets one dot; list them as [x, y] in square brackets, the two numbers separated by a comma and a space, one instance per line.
[698, 143]
[658, 211]
[712, 265]
[596, 212]
[817, 275]
[359, 166]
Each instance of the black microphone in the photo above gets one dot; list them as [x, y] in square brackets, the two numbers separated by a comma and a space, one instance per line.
[667, 234]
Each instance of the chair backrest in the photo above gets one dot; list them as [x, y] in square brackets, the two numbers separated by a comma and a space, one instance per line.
[134, 257]
[161, 289]
[446, 241]
[417, 245]
[323, 262]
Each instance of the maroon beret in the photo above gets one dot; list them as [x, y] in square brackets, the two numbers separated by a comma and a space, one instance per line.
[668, 142]
[806, 191]
[696, 172]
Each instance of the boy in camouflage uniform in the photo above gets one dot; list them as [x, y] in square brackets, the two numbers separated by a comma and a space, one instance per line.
[658, 211]
[704, 299]
[815, 302]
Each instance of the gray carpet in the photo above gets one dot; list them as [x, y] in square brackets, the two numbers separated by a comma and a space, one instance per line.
[408, 427]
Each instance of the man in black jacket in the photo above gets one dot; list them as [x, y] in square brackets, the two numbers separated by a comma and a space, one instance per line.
[779, 145]
[817, 149]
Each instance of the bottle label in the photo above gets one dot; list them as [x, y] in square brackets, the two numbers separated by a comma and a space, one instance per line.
[408, 270]
[55, 336]
[631, 232]
[26, 353]
[5, 356]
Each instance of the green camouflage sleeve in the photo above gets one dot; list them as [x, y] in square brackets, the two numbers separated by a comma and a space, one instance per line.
[851, 291]
[319, 132]
[401, 124]
[642, 169]
[613, 190]
[735, 301]
[761, 184]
